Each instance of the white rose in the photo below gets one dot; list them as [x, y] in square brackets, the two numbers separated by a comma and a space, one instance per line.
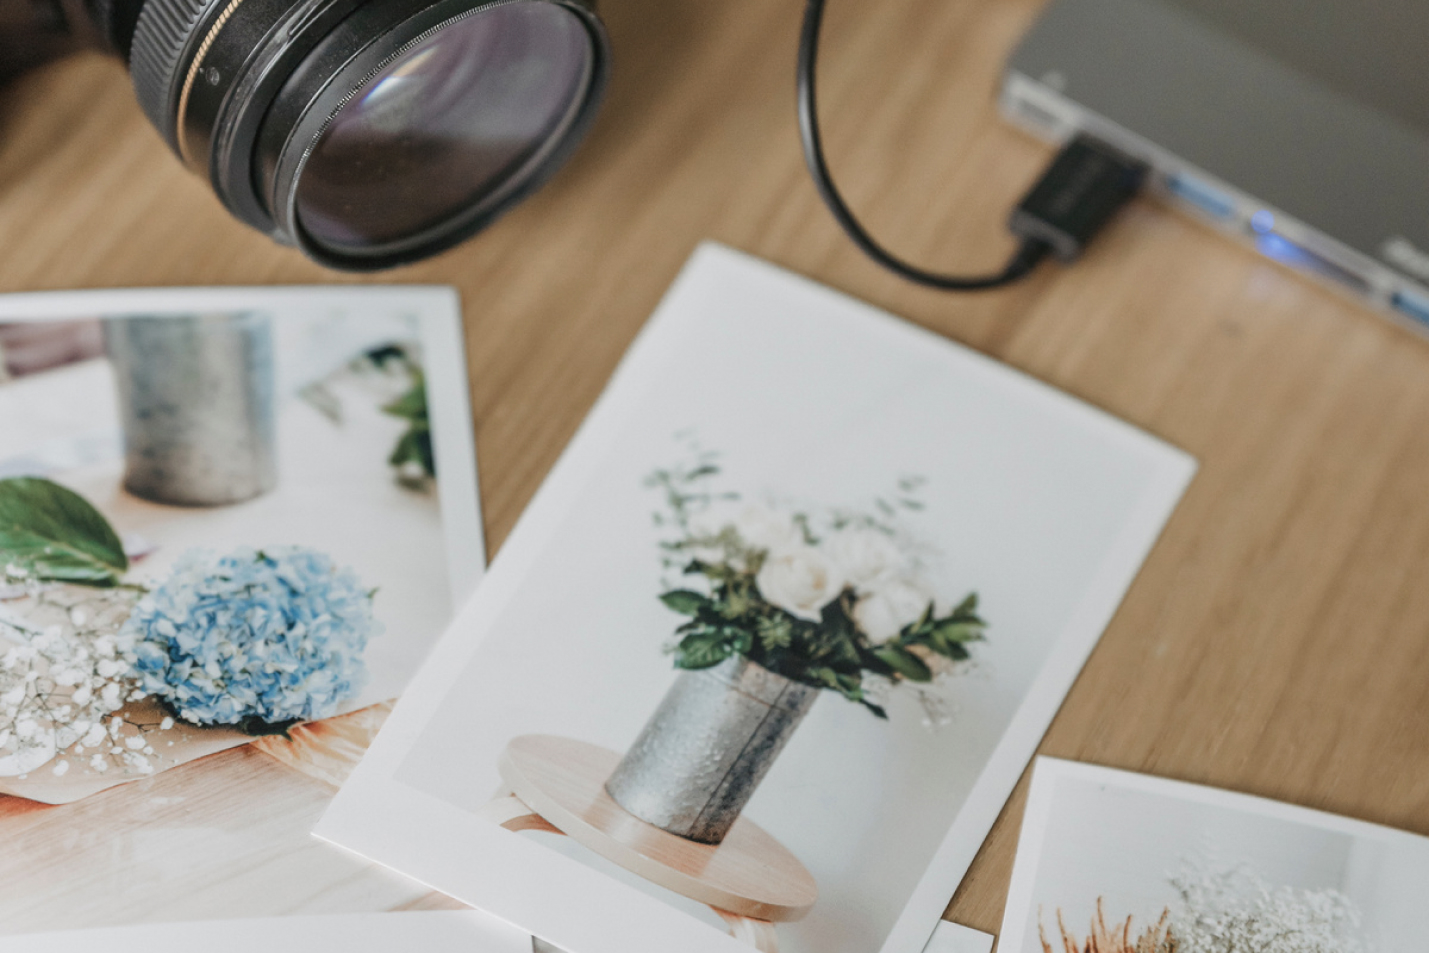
[866, 556]
[801, 581]
[768, 529]
[889, 606]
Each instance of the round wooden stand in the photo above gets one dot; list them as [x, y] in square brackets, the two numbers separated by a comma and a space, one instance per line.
[558, 785]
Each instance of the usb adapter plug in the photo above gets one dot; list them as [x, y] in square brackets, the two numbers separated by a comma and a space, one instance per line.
[1081, 190]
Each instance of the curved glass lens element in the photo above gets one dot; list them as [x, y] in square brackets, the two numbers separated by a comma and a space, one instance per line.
[444, 125]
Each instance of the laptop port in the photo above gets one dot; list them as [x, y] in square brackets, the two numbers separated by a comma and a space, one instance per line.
[1412, 304]
[1277, 246]
[1212, 201]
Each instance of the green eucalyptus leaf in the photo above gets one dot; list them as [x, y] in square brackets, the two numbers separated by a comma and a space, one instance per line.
[55, 534]
[959, 631]
[685, 601]
[904, 662]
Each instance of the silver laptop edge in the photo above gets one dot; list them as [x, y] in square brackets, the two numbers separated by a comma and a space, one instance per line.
[1344, 248]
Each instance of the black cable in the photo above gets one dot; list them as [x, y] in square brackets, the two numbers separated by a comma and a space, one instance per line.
[1029, 254]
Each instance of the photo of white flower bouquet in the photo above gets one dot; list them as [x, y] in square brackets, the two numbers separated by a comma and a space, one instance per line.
[772, 644]
[835, 599]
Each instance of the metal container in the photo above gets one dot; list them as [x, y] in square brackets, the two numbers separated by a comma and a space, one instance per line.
[701, 755]
[196, 405]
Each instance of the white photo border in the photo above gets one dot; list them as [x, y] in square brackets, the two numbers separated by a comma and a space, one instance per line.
[389, 822]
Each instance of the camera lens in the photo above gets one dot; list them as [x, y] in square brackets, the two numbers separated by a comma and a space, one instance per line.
[443, 126]
[370, 133]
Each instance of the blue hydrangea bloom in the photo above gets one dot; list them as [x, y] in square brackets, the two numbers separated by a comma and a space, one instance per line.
[277, 635]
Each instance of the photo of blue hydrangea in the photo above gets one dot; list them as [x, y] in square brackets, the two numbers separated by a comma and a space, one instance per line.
[253, 637]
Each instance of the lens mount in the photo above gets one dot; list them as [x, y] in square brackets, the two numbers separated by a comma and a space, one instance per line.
[371, 133]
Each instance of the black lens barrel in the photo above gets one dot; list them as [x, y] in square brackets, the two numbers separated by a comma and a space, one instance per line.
[243, 89]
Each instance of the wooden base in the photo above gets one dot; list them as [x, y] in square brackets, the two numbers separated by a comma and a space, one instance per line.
[512, 813]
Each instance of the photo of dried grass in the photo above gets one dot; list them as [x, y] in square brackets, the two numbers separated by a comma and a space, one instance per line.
[1156, 938]
[1115, 862]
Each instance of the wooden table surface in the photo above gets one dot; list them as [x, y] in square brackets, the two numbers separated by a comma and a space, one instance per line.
[1277, 642]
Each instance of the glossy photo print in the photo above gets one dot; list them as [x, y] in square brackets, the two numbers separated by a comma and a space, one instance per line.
[762, 661]
[1126, 863]
[228, 519]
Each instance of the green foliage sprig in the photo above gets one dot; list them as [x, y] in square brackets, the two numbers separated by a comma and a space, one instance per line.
[414, 446]
[831, 653]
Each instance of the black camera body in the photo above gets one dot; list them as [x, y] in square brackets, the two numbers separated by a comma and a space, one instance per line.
[368, 133]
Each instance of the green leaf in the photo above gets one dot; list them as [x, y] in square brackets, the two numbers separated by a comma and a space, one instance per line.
[904, 662]
[412, 405]
[414, 446]
[959, 631]
[925, 621]
[55, 534]
[967, 607]
[702, 650]
[741, 641]
[685, 601]
[826, 677]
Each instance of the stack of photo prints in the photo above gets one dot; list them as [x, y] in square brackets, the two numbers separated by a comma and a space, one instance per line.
[758, 668]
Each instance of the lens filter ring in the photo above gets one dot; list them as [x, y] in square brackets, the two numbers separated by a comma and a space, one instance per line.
[394, 142]
[370, 133]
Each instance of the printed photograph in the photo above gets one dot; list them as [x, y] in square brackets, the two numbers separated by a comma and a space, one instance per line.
[448, 931]
[753, 650]
[220, 525]
[1111, 862]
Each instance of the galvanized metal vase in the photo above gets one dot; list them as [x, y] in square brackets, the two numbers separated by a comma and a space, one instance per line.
[701, 755]
[196, 404]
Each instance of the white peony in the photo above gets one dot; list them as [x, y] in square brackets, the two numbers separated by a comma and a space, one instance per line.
[889, 606]
[800, 580]
[866, 556]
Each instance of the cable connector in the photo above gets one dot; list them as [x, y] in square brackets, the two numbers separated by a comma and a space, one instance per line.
[1086, 184]
[1078, 194]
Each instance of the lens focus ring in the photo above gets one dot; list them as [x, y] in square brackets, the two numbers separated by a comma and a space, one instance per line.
[164, 30]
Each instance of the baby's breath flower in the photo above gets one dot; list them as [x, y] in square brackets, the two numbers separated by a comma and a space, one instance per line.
[55, 687]
[1237, 911]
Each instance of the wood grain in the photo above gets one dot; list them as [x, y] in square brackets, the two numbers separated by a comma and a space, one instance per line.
[750, 873]
[1277, 642]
